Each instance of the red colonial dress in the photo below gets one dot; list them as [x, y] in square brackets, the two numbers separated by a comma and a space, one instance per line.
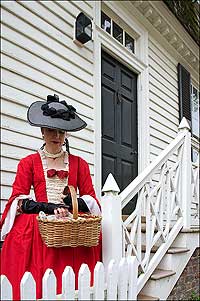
[23, 249]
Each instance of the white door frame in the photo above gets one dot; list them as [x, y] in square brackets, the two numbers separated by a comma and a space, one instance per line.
[137, 63]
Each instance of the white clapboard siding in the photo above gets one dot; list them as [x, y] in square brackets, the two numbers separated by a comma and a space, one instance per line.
[9, 164]
[163, 96]
[78, 6]
[45, 67]
[155, 124]
[28, 71]
[40, 26]
[53, 55]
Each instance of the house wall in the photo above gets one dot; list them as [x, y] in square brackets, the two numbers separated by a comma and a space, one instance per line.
[163, 98]
[39, 58]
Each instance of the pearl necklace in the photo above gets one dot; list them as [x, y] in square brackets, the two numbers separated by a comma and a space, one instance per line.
[53, 156]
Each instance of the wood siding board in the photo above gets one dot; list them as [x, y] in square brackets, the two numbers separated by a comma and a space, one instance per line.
[161, 70]
[167, 123]
[170, 61]
[51, 41]
[163, 104]
[162, 136]
[17, 110]
[9, 164]
[163, 56]
[162, 64]
[160, 95]
[161, 111]
[44, 13]
[156, 124]
[163, 81]
[25, 55]
[32, 20]
[83, 6]
[57, 10]
[12, 78]
[7, 178]
[19, 139]
[165, 91]
[15, 152]
[47, 54]
[47, 79]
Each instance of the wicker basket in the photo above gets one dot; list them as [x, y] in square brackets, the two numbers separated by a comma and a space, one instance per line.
[71, 233]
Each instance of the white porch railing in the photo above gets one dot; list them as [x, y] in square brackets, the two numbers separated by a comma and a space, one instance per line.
[164, 192]
[121, 283]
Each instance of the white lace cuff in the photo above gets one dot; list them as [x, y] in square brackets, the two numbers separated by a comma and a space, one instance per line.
[92, 204]
[10, 218]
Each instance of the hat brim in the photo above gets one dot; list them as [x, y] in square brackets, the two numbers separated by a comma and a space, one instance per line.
[36, 118]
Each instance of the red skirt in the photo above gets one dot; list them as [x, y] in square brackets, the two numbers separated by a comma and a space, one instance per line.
[23, 250]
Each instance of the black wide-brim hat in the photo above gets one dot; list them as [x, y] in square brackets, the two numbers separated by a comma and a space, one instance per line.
[55, 114]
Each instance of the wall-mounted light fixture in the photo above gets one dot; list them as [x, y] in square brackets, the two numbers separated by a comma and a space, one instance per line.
[83, 29]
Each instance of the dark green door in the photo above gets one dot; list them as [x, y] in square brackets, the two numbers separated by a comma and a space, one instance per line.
[119, 123]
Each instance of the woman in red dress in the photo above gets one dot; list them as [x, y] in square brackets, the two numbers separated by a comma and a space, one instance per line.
[48, 171]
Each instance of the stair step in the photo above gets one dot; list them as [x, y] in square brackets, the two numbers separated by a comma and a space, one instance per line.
[147, 298]
[172, 250]
[159, 274]
[143, 218]
[177, 250]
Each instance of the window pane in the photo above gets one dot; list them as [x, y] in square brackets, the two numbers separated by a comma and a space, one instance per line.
[117, 33]
[105, 22]
[129, 42]
[195, 111]
[195, 155]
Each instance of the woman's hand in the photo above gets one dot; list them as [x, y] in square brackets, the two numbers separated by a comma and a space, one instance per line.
[61, 212]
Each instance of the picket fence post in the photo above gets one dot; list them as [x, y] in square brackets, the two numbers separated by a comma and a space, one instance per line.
[112, 280]
[111, 222]
[6, 289]
[49, 281]
[84, 282]
[186, 187]
[132, 277]
[68, 284]
[99, 281]
[28, 287]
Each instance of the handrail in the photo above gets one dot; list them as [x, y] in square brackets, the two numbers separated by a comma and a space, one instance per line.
[129, 192]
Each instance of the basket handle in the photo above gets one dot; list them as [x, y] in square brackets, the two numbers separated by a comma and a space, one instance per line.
[74, 201]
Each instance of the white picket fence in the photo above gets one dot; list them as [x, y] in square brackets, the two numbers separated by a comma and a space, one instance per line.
[116, 282]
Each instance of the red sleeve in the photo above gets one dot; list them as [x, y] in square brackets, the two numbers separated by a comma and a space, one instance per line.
[22, 183]
[84, 180]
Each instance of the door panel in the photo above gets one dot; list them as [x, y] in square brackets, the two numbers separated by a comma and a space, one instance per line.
[119, 122]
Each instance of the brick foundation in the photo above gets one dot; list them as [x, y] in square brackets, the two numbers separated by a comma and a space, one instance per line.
[189, 280]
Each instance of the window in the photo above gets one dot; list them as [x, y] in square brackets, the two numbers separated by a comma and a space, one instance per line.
[105, 22]
[117, 32]
[195, 111]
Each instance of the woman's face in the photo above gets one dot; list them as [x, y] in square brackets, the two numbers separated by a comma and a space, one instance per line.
[53, 138]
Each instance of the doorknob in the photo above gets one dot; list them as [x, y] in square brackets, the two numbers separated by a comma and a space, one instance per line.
[119, 97]
[134, 152]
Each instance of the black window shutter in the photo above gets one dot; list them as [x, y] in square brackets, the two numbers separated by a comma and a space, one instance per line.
[184, 92]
